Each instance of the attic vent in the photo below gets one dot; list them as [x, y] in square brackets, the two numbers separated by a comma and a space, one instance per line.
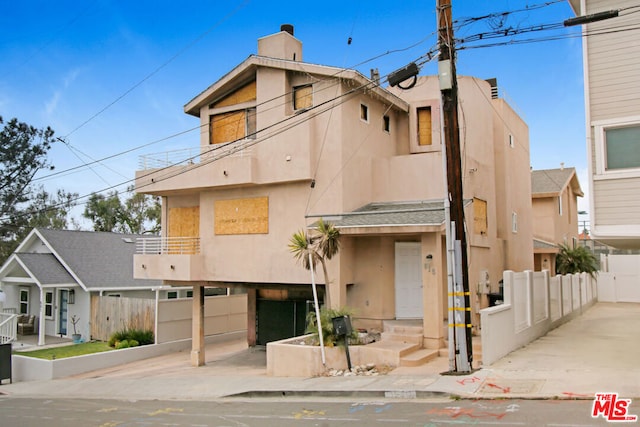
[494, 87]
[127, 240]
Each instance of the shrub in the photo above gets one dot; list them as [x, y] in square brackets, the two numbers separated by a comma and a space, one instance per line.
[328, 336]
[122, 344]
[139, 336]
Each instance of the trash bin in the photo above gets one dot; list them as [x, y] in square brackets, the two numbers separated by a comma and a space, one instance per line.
[5, 362]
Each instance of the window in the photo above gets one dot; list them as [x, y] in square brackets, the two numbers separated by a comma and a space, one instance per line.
[386, 123]
[24, 301]
[622, 147]
[480, 216]
[424, 126]
[364, 113]
[231, 126]
[48, 304]
[560, 205]
[189, 294]
[511, 143]
[209, 292]
[514, 222]
[172, 295]
[302, 97]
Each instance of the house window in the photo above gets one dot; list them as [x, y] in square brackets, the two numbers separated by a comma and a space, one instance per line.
[424, 126]
[209, 292]
[622, 147]
[480, 216]
[386, 123]
[48, 304]
[24, 301]
[364, 113]
[560, 205]
[511, 143]
[302, 97]
[172, 295]
[232, 126]
[514, 222]
[189, 294]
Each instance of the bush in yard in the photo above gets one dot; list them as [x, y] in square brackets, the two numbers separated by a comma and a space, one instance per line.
[122, 344]
[137, 336]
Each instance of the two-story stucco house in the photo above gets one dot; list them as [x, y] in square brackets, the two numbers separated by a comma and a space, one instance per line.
[554, 195]
[611, 56]
[286, 142]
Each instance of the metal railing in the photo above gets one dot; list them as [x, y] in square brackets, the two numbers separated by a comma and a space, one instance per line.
[168, 245]
[8, 327]
[190, 156]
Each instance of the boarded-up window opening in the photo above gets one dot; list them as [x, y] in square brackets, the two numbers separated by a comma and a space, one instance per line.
[302, 97]
[228, 127]
[184, 222]
[480, 216]
[424, 126]
[244, 94]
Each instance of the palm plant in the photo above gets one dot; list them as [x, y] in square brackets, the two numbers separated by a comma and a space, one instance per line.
[322, 243]
[576, 260]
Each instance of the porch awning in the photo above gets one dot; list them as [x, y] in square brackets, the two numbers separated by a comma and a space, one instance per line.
[542, 247]
[421, 216]
[45, 269]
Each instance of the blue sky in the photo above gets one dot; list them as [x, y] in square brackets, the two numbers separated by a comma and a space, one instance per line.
[110, 76]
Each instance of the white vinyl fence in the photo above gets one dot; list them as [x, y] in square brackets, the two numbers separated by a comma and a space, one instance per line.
[534, 304]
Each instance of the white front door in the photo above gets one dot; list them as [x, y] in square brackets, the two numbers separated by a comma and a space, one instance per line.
[408, 281]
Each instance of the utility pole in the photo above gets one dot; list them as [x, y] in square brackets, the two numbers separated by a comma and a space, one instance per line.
[460, 346]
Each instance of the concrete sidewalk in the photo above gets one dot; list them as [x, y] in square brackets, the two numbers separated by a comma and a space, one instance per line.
[597, 352]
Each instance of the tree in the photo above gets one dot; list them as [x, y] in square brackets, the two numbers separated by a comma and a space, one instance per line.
[322, 243]
[139, 214]
[576, 260]
[23, 152]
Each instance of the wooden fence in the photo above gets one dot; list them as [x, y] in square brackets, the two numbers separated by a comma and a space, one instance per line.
[111, 314]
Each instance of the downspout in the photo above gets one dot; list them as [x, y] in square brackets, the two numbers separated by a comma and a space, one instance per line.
[155, 322]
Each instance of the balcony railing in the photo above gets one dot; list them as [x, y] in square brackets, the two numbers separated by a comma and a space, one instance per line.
[190, 156]
[168, 246]
[8, 327]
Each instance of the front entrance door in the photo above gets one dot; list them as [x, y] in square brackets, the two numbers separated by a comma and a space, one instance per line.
[62, 312]
[408, 280]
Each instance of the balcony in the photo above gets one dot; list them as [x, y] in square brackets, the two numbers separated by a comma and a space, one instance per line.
[196, 168]
[169, 259]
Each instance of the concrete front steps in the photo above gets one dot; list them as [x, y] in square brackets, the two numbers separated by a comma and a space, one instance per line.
[402, 340]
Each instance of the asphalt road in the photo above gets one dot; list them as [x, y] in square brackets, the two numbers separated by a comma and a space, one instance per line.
[27, 412]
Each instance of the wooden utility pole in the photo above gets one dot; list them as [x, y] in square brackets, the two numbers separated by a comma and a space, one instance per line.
[460, 346]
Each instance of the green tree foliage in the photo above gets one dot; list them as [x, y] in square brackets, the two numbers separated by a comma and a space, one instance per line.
[322, 243]
[23, 152]
[139, 214]
[576, 260]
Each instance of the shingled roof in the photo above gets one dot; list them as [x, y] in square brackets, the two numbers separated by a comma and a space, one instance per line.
[93, 260]
[550, 182]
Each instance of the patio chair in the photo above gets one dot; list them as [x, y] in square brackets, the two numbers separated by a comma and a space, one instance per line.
[26, 324]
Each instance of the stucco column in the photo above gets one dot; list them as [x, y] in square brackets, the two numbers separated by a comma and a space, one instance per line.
[432, 290]
[41, 319]
[197, 326]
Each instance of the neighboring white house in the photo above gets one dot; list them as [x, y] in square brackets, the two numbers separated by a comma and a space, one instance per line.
[611, 55]
[52, 274]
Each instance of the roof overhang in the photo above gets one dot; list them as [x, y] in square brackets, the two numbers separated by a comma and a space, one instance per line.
[246, 71]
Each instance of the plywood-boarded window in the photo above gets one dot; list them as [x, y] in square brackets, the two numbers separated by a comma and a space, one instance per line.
[184, 227]
[424, 126]
[184, 222]
[241, 216]
[480, 216]
[244, 94]
[227, 127]
[302, 97]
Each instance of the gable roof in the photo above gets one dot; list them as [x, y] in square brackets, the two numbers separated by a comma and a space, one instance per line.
[551, 182]
[93, 260]
[245, 71]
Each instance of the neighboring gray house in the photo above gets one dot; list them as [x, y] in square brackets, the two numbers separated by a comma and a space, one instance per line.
[611, 56]
[53, 273]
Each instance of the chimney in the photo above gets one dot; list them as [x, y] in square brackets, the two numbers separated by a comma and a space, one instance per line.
[281, 45]
[561, 166]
